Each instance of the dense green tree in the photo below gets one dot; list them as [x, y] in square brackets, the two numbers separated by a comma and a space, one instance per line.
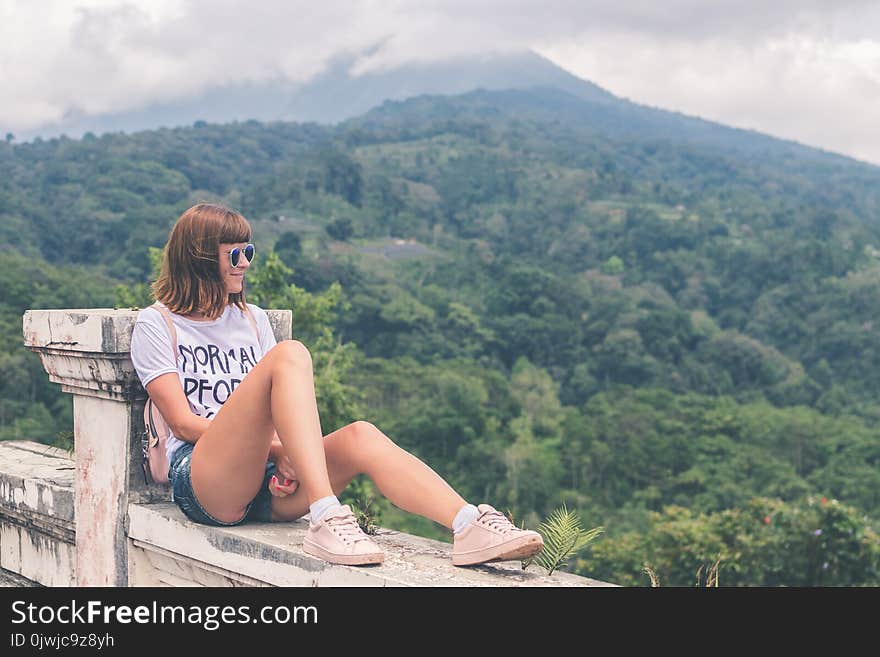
[763, 542]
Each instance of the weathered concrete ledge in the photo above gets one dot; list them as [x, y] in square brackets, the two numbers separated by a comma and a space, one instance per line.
[37, 531]
[9, 579]
[167, 549]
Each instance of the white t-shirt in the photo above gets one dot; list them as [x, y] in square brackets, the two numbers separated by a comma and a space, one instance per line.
[212, 356]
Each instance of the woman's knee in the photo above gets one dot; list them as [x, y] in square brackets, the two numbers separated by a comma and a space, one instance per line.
[363, 440]
[292, 351]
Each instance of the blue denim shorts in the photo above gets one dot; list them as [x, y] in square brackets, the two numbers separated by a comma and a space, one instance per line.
[259, 509]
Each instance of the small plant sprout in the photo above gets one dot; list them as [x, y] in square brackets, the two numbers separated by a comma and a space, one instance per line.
[655, 581]
[711, 575]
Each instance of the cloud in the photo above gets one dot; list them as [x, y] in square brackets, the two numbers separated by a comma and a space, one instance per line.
[803, 87]
[807, 69]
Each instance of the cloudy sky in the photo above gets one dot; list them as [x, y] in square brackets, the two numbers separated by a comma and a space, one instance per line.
[807, 70]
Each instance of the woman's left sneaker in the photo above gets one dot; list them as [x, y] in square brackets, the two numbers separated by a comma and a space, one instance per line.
[492, 537]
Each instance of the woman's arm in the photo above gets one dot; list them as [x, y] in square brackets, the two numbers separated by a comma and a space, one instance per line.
[279, 457]
[167, 394]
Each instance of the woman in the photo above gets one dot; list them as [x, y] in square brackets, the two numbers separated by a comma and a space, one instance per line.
[247, 442]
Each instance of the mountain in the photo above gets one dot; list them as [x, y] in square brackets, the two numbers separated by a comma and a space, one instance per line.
[595, 115]
[523, 84]
[333, 96]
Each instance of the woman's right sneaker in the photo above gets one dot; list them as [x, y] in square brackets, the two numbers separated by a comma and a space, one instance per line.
[492, 537]
[338, 538]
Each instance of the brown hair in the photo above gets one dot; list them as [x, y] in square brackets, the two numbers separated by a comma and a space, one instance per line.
[189, 280]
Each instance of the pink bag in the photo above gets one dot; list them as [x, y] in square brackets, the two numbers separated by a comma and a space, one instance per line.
[155, 437]
[156, 431]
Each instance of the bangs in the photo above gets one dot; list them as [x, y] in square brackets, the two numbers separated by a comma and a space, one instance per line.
[234, 228]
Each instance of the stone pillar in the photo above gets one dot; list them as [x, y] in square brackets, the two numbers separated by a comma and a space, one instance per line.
[87, 352]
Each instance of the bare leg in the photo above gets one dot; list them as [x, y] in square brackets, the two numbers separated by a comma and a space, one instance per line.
[360, 448]
[229, 458]
[278, 395]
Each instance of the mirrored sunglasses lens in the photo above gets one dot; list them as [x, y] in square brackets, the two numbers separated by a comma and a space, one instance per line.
[249, 252]
[234, 256]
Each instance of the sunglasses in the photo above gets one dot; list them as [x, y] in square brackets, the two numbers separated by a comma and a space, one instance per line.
[236, 253]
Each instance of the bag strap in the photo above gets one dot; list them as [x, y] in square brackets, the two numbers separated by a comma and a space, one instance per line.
[247, 311]
[167, 316]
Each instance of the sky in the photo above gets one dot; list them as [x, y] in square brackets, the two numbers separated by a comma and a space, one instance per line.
[805, 70]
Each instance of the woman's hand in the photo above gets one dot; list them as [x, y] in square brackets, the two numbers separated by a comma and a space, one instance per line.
[282, 488]
[284, 482]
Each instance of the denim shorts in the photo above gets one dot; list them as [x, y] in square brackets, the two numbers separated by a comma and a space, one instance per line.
[259, 509]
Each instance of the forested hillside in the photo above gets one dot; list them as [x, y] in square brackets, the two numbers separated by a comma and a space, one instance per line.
[666, 324]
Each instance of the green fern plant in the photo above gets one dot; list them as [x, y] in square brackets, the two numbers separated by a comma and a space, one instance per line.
[563, 537]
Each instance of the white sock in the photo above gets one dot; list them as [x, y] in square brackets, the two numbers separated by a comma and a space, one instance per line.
[318, 508]
[467, 514]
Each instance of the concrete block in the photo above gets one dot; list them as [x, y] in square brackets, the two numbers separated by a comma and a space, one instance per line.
[37, 513]
[271, 554]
